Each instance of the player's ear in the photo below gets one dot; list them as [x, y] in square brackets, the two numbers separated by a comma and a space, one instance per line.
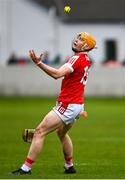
[84, 47]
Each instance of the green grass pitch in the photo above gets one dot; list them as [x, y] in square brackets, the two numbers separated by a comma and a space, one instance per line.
[99, 140]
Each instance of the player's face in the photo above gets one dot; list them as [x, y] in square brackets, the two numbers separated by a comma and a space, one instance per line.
[78, 44]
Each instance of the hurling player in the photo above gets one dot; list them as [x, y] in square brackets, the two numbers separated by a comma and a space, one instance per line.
[69, 105]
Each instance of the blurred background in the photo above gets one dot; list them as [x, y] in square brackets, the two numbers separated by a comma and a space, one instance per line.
[43, 26]
[27, 93]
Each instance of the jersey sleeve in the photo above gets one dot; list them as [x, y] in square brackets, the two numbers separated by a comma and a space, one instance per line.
[73, 62]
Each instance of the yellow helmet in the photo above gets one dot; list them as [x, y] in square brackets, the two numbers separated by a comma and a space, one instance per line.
[90, 40]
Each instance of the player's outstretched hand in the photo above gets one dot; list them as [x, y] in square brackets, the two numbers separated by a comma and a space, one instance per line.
[36, 59]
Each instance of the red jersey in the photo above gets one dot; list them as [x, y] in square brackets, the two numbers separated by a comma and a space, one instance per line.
[72, 88]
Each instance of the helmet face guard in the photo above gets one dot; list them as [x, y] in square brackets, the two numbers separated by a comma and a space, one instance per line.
[89, 40]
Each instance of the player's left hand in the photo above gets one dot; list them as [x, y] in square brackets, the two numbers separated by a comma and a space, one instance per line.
[36, 59]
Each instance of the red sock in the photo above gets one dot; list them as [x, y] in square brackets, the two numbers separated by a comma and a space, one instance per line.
[68, 160]
[28, 162]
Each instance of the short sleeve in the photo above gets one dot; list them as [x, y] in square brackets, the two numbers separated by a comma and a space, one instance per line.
[73, 62]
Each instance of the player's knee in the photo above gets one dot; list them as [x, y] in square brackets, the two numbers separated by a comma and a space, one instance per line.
[60, 134]
[39, 132]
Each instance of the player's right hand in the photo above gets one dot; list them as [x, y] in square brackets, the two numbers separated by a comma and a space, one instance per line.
[36, 59]
[84, 114]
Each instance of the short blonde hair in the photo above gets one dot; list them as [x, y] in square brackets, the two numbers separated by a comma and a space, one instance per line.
[90, 40]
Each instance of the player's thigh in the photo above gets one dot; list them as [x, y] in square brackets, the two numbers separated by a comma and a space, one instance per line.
[50, 122]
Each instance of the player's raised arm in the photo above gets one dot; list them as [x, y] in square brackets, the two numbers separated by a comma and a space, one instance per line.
[53, 72]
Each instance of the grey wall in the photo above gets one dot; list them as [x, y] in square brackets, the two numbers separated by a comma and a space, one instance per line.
[30, 80]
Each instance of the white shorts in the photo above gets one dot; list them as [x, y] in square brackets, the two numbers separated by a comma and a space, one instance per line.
[68, 113]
